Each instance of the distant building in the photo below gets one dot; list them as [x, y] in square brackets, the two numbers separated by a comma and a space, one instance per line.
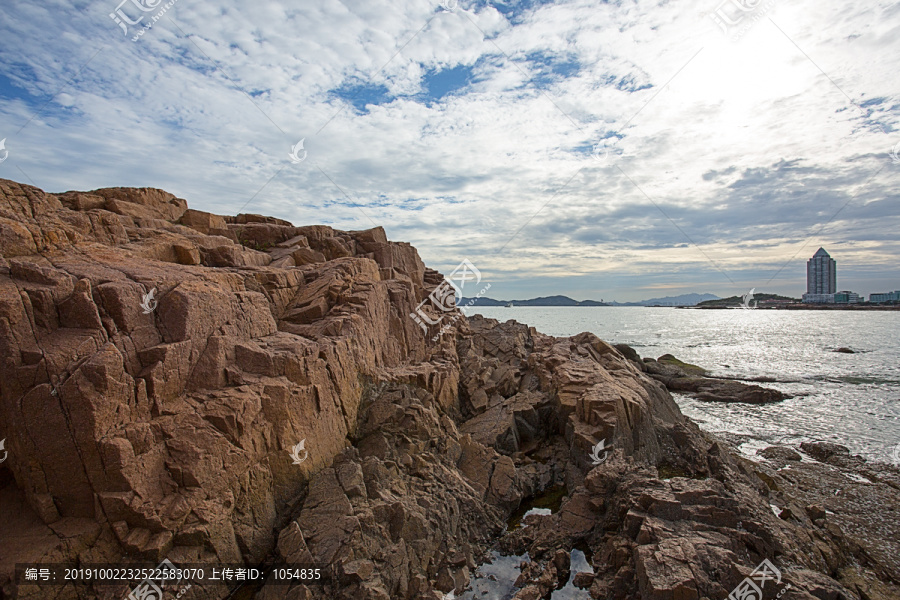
[846, 297]
[821, 274]
[818, 298]
[821, 279]
[885, 297]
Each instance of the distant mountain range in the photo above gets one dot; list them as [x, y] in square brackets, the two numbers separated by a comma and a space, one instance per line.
[683, 300]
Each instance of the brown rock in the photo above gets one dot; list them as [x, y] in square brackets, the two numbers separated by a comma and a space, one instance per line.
[204, 222]
[531, 592]
[357, 571]
[187, 254]
[815, 512]
[583, 580]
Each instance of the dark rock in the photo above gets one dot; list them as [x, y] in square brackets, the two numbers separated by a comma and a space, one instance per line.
[562, 561]
[686, 378]
[668, 359]
[780, 453]
[845, 350]
[823, 451]
[628, 352]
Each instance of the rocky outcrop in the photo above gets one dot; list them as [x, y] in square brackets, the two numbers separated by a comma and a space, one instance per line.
[685, 378]
[161, 427]
[160, 365]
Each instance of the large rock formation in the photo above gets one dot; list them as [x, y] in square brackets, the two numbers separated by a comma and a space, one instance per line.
[685, 378]
[147, 426]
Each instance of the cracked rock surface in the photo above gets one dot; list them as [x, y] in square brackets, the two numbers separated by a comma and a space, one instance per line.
[144, 428]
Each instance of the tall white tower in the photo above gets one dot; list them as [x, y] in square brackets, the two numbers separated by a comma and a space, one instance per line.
[821, 274]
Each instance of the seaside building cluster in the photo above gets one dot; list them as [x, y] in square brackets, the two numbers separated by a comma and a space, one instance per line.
[882, 297]
[821, 284]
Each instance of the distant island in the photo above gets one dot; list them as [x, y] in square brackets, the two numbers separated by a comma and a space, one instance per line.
[683, 300]
[755, 300]
[776, 302]
[545, 301]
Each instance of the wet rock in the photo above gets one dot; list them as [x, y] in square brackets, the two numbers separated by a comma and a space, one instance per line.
[686, 378]
[681, 366]
[844, 350]
[583, 580]
[531, 592]
[780, 453]
[823, 451]
[629, 353]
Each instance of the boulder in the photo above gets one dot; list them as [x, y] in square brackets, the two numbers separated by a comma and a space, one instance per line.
[780, 453]
[823, 451]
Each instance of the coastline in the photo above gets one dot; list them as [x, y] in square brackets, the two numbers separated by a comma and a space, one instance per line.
[852, 307]
[857, 307]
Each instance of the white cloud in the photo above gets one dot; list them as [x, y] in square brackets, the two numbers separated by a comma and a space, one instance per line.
[749, 146]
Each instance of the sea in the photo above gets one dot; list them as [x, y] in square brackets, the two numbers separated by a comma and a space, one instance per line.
[849, 399]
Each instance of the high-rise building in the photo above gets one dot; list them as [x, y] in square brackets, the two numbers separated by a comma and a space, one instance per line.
[821, 274]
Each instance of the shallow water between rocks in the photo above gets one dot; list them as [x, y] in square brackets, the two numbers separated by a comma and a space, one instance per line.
[495, 580]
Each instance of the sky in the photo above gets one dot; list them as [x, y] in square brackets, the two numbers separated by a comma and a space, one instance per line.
[600, 150]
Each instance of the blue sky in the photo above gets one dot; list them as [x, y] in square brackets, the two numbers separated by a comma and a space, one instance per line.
[616, 150]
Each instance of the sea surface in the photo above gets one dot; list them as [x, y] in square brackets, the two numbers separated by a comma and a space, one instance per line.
[850, 399]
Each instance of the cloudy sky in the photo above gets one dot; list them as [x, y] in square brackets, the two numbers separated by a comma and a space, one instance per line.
[616, 150]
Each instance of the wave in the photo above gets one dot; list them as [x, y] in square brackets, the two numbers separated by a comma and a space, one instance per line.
[852, 379]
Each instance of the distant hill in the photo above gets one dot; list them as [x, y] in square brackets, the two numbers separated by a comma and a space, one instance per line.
[738, 300]
[545, 301]
[683, 300]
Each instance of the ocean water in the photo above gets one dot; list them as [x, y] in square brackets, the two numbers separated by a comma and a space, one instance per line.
[850, 399]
